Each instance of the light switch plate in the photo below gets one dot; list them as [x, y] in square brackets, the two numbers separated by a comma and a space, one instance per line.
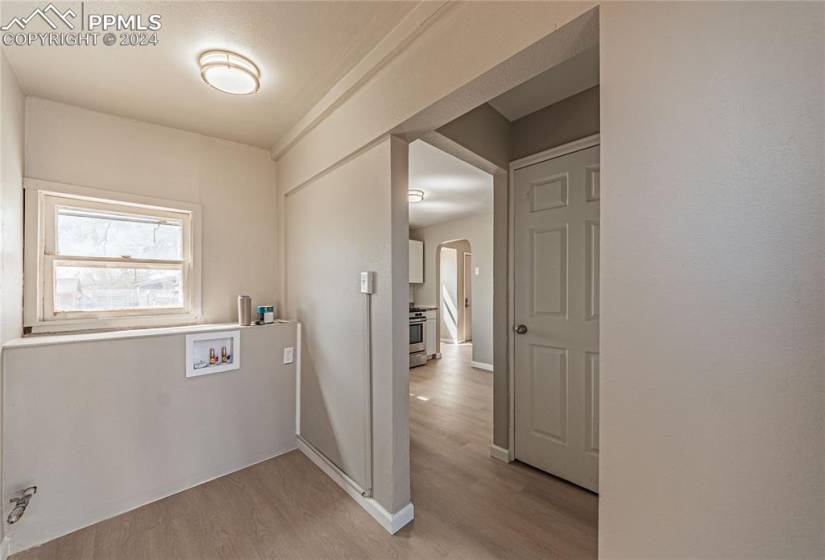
[477, 271]
[368, 282]
[289, 355]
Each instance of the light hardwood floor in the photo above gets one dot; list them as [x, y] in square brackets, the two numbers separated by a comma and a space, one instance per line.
[467, 505]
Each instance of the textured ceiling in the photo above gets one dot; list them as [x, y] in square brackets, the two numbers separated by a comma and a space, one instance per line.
[302, 48]
[453, 189]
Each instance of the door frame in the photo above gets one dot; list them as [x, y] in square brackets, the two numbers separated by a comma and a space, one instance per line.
[468, 281]
[552, 153]
[460, 318]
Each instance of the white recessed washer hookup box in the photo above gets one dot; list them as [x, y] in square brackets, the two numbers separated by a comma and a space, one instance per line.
[212, 352]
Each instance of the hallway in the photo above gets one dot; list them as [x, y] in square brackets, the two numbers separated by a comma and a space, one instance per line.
[467, 504]
[485, 508]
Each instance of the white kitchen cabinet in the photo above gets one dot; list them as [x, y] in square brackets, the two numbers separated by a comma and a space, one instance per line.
[429, 334]
[416, 261]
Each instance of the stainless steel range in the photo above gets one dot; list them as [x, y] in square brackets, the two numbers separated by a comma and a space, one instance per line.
[418, 334]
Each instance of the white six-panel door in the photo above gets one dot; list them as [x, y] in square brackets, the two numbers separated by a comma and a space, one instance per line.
[556, 299]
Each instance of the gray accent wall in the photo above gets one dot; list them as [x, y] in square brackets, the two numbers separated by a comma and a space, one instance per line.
[560, 123]
[484, 132]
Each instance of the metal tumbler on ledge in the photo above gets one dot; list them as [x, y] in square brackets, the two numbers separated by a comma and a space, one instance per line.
[244, 311]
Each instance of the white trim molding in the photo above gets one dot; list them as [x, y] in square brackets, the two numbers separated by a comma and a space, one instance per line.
[482, 365]
[392, 522]
[558, 151]
[501, 454]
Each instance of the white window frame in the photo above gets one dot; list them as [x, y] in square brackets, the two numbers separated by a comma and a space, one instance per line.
[42, 201]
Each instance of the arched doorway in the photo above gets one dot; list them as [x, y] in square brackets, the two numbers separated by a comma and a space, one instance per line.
[454, 286]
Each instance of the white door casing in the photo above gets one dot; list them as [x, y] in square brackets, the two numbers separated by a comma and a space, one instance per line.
[556, 297]
[468, 296]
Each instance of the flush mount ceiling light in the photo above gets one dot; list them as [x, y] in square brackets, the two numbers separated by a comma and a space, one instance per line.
[229, 72]
[415, 195]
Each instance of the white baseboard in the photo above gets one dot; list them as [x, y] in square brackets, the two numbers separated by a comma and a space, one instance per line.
[501, 454]
[482, 365]
[392, 522]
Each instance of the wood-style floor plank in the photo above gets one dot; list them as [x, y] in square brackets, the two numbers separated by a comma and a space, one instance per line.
[468, 506]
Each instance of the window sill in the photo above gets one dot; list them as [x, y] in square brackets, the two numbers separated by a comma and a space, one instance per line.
[45, 340]
[101, 324]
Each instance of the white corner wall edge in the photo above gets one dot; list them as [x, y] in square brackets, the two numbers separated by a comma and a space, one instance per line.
[482, 365]
[392, 522]
[501, 454]
[11, 546]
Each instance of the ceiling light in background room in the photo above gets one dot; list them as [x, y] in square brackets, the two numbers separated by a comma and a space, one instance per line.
[415, 195]
[229, 72]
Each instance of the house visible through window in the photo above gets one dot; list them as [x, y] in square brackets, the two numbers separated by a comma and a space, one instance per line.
[122, 263]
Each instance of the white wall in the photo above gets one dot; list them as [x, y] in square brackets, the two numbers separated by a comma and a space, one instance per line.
[713, 271]
[126, 440]
[117, 425]
[349, 220]
[234, 183]
[12, 111]
[11, 203]
[478, 230]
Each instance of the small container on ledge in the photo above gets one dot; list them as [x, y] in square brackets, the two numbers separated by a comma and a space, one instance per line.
[244, 311]
[266, 314]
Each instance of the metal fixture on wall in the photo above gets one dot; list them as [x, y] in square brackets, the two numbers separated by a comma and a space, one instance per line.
[20, 504]
[368, 289]
[415, 195]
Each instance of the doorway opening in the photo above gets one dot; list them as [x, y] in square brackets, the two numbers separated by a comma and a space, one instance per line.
[540, 366]
[451, 255]
[454, 291]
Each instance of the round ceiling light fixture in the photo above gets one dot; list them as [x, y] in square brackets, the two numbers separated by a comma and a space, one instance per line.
[415, 195]
[229, 72]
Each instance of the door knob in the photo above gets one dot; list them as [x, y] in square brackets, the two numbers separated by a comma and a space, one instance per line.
[521, 329]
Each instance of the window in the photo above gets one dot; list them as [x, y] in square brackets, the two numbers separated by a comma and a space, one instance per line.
[109, 262]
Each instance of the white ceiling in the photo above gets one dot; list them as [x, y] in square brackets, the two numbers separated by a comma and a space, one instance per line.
[560, 82]
[452, 188]
[302, 48]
